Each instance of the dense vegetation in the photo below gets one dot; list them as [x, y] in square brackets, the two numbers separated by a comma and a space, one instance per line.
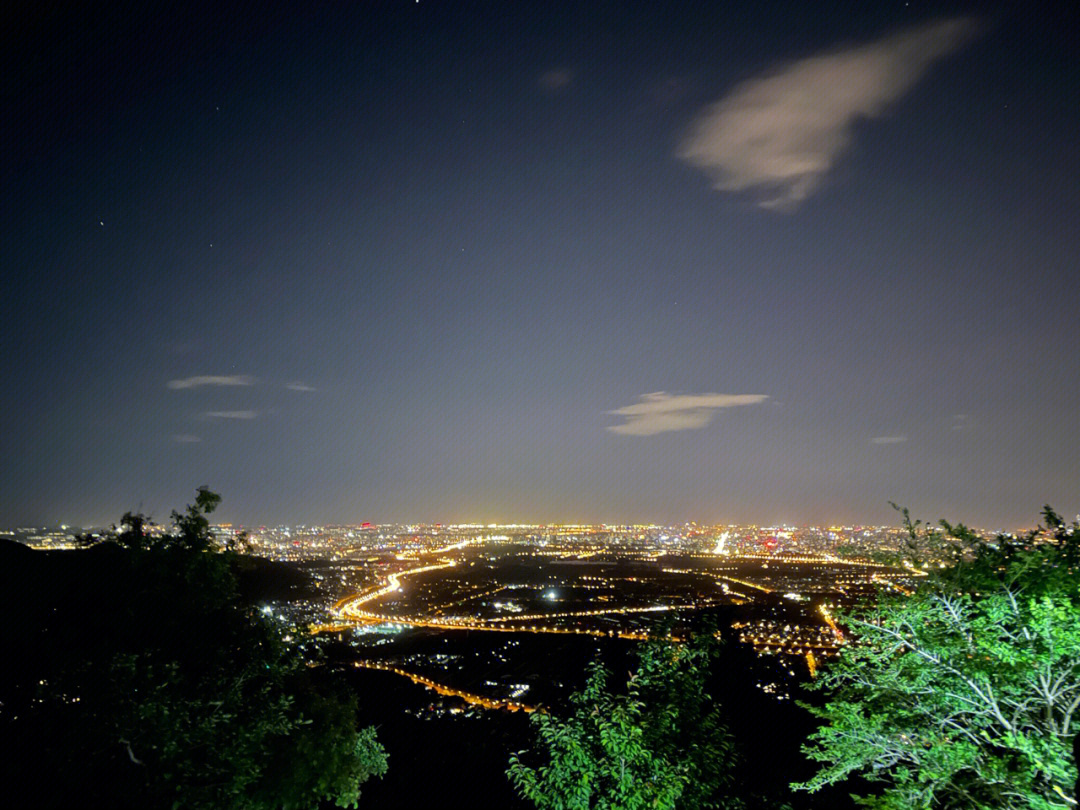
[139, 677]
[658, 744]
[965, 693]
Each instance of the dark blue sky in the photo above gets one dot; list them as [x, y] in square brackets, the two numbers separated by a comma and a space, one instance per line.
[405, 261]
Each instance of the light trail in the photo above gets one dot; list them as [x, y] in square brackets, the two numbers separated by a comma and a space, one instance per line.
[787, 558]
[443, 689]
[365, 617]
[745, 583]
[412, 555]
[827, 616]
[346, 606]
[349, 610]
[792, 647]
[603, 612]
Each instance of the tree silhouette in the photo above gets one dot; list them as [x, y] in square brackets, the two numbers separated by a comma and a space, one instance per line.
[142, 679]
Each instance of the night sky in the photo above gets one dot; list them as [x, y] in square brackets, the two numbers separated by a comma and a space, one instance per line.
[539, 261]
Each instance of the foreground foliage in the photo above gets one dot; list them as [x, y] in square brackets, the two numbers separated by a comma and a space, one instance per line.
[154, 685]
[966, 693]
[659, 744]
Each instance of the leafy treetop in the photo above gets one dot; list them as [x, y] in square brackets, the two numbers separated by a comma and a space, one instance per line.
[967, 692]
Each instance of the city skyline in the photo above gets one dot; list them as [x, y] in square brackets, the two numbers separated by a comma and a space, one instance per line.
[543, 262]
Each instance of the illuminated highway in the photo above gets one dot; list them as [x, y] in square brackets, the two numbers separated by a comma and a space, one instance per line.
[349, 611]
[363, 617]
[603, 612]
[442, 689]
[346, 607]
[360, 609]
[827, 616]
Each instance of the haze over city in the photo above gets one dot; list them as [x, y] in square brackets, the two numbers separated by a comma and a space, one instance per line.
[543, 262]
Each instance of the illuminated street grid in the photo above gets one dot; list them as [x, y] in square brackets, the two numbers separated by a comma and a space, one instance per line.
[506, 587]
[774, 586]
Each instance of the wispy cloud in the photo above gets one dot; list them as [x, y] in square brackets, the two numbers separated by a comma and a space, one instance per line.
[888, 440]
[556, 80]
[231, 414]
[779, 134]
[299, 386]
[661, 412]
[211, 379]
[186, 438]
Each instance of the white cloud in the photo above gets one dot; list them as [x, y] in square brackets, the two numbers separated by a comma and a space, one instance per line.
[961, 421]
[888, 440]
[299, 386]
[661, 412]
[231, 414]
[197, 382]
[186, 438]
[779, 134]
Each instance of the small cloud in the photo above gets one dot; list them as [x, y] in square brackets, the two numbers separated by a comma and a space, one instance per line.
[888, 440]
[231, 414]
[186, 438]
[779, 134]
[198, 382]
[557, 80]
[299, 386]
[661, 412]
[961, 421]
